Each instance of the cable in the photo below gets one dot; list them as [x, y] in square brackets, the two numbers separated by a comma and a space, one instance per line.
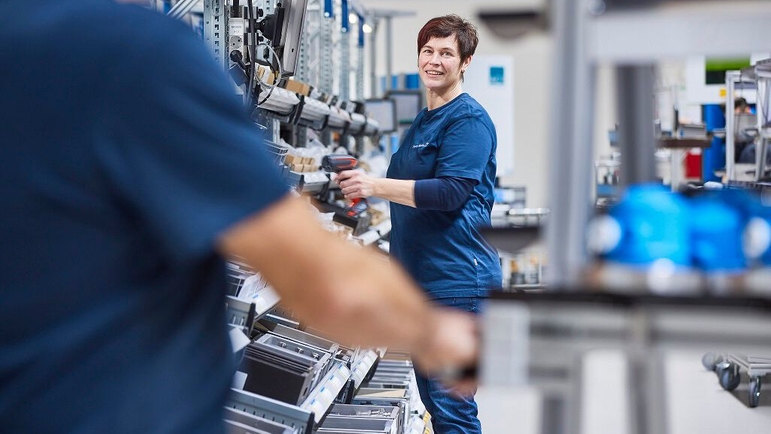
[252, 52]
[271, 87]
[253, 56]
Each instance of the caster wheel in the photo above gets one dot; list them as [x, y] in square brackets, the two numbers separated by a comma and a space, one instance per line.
[711, 360]
[754, 392]
[729, 377]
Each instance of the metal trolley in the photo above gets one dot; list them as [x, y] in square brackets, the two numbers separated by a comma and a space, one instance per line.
[729, 367]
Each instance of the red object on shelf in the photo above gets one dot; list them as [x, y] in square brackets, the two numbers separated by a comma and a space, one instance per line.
[692, 163]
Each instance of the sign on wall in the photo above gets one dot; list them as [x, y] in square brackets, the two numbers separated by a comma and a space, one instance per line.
[490, 80]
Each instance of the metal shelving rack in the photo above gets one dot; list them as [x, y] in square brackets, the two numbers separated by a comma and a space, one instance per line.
[316, 44]
[755, 78]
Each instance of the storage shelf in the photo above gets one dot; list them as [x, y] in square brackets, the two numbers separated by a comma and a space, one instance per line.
[362, 365]
[243, 313]
[321, 398]
[303, 417]
[293, 416]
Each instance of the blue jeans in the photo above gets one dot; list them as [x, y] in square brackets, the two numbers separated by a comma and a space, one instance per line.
[449, 413]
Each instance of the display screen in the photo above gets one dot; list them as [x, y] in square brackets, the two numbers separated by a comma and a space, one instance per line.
[408, 104]
[384, 112]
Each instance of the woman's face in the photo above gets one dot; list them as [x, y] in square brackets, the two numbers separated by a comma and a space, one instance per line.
[439, 64]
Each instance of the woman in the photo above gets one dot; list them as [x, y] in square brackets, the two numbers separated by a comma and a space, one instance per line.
[440, 185]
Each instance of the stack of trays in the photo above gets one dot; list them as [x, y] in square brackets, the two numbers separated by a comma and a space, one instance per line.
[280, 101]
[399, 398]
[283, 369]
[305, 338]
[343, 425]
[390, 375]
[239, 422]
[344, 418]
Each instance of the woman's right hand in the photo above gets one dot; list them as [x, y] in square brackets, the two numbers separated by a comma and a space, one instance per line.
[356, 184]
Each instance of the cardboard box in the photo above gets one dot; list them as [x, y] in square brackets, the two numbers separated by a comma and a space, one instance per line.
[293, 159]
[266, 75]
[297, 87]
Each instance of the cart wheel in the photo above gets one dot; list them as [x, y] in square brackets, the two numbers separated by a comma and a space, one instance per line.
[710, 361]
[720, 367]
[729, 377]
[754, 392]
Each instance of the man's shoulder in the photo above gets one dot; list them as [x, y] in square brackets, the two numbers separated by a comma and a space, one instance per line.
[104, 30]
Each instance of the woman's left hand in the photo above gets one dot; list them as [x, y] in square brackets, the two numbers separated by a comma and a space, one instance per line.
[356, 184]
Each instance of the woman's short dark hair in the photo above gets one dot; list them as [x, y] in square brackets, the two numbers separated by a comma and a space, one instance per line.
[449, 25]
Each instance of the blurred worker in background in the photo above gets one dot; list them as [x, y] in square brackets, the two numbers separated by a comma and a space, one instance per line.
[741, 106]
[745, 126]
[128, 170]
[441, 187]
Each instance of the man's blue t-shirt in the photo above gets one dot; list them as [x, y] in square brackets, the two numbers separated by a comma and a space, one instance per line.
[124, 153]
[444, 250]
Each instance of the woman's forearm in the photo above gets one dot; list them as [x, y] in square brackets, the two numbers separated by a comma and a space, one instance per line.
[401, 191]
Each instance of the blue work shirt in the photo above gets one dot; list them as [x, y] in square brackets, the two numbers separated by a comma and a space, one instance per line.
[124, 154]
[444, 250]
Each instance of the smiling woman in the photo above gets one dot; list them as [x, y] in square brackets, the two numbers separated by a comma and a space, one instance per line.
[440, 185]
[445, 47]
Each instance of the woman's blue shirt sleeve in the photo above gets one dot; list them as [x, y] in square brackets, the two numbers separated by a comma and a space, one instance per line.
[443, 194]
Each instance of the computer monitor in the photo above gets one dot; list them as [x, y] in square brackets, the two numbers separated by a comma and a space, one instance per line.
[384, 112]
[291, 35]
[284, 28]
[408, 104]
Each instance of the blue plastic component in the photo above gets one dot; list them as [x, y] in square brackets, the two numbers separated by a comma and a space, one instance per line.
[713, 158]
[329, 9]
[344, 16]
[716, 234]
[412, 81]
[654, 224]
[361, 31]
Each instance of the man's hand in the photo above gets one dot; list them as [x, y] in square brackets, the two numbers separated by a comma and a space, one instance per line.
[451, 351]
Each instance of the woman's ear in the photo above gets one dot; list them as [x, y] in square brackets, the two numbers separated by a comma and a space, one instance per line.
[466, 63]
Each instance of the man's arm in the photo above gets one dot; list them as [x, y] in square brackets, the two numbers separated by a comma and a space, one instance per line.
[348, 292]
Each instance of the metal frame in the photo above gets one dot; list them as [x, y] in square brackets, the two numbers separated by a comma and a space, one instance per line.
[541, 339]
[734, 80]
[215, 30]
[181, 8]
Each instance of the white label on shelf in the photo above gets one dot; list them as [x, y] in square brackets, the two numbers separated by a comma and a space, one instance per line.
[335, 383]
[317, 408]
[239, 379]
[260, 305]
[326, 395]
[238, 340]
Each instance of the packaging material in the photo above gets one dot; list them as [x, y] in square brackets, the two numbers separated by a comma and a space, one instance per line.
[297, 87]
